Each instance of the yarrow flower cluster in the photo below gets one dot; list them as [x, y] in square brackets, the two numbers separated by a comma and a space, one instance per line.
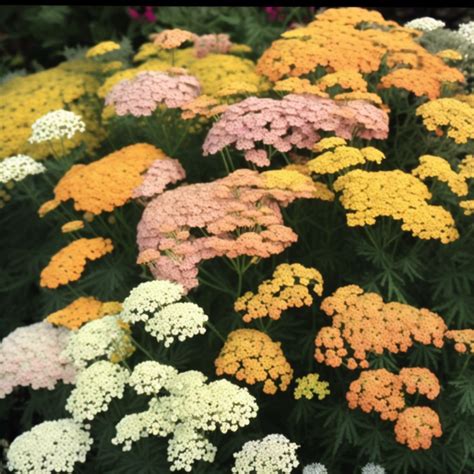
[95, 388]
[17, 168]
[32, 356]
[463, 340]
[310, 385]
[56, 125]
[151, 377]
[142, 95]
[425, 23]
[294, 121]
[315, 468]
[171, 39]
[466, 30]
[177, 321]
[51, 446]
[213, 43]
[102, 48]
[273, 454]
[372, 468]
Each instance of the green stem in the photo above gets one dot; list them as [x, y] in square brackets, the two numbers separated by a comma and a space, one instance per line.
[215, 331]
[148, 354]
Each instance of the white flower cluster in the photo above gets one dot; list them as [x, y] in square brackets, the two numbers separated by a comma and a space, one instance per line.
[178, 320]
[18, 167]
[273, 454]
[315, 468]
[98, 338]
[52, 446]
[56, 125]
[467, 31]
[192, 408]
[372, 468]
[150, 377]
[96, 386]
[148, 298]
[425, 23]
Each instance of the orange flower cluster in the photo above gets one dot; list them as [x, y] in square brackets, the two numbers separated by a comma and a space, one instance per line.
[362, 323]
[416, 427]
[171, 39]
[202, 106]
[109, 182]
[81, 311]
[420, 380]
[72, 226]
[335, 42]
[69, 263]
[288, 288]
[463, 339]
[251, 356]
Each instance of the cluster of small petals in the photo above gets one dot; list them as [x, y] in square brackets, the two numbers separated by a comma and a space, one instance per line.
[95, 388]
[310, 385]
[69, 263]
[463, 339]
[362, 323]
[48, 206]
[56, 125]
[455, 116]
[72, 226]
[177, 321]
[151, 377]
[367, 96]
[102, 48]
[467, 31]
[251, 356]
[466, 167]
[420, 380]
[343, 157]
[50, 447]
[436, 167]
[425, 23]
[289, 287]
[142, 95]
[238, 215]
[297, 85]
[450, 55]
[159, 175]
[351, 80]
[171, 39]
[273, 454]
[148, 298]
[294, 121]
[108, 183]
[315, 468]
[77, 313]
[31, 356]
[17, 168]
[396, 194]
[468, 206]
[328, 144]
[416, 427]
[371, 468]
[202, 106]
[105, 337]
[212, 43]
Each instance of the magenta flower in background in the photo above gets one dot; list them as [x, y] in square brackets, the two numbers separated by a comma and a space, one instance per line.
[147, 14]
[273, 13]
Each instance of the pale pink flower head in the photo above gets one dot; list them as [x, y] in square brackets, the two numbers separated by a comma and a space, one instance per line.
[31, 356]
[292, 122]
[213, 43]
[143, 94]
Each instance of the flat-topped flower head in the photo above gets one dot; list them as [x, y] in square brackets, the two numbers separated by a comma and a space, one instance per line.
[466, 30]
[309, 386]
[212, 43]
[18, 167]
[273, 454]
[32, 356]
[171, 39]
[51, 446]
[252, 357]
[56, 125]
[102, 48]
[151, 377]
[463, 339]
[371, 468]
[72, 226]
[315, 468]
[417, 426]
[425, 23]
[77, 313]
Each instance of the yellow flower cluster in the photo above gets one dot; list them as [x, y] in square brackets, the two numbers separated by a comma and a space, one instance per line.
[203, 106]
[450, 55]
[310, 385]
[456, 116]
[466, 167]
[289, 287]
[436, 167]
[251, 356]
[25, 99]
[351, 80]
[468, 206]
[328, 143]
[343, 157]
[395, 194]
[356, 95]
[296, 85]
[102, 48]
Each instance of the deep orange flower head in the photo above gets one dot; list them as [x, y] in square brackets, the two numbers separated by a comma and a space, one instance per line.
[416, 427]
[69, 263]
[251, 356]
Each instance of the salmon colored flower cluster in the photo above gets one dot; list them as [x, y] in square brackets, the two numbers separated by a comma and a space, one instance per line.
[368, 195]
[171, 39]
[212, 43]
[463, 340]
[236, 215]
[449, 116]
[252, 357]
[420, 380]
[416, 427]
[294, 121]
[72, 226]
[69, 263]
[289, 287]
[108, 183]
[309, 386]
[436, 167]
[362, 324]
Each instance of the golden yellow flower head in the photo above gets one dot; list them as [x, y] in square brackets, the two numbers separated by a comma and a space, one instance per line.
[102, 48]
[310, 385]
[72, 226]
[450, 55]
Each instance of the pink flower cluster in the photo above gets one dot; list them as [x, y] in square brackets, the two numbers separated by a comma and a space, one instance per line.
[233, 216]
[31, 356]
[141, 95]
[294, 121]
[158, 176]
[207, 44]
[147, 14]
